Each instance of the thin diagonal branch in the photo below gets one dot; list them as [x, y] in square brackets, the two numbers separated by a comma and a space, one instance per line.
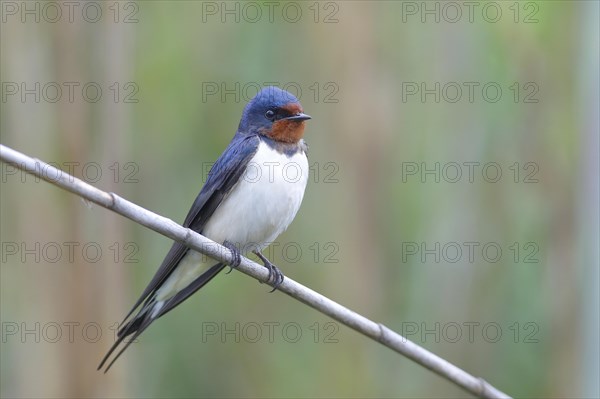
[167, 227]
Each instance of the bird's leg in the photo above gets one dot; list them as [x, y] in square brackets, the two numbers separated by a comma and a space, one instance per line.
[237, 257]
[273, 270]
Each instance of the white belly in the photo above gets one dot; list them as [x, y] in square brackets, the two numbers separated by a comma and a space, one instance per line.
[257, 210]
[263, 203]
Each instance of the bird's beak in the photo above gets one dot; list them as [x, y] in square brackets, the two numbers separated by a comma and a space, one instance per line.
[298, 117]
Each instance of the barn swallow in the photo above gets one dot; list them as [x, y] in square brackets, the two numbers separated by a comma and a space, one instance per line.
[250, 197]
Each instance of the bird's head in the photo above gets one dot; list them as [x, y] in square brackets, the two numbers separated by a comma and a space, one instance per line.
[276, 114]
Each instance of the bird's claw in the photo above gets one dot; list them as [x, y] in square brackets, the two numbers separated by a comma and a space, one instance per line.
[237, 257]
[278, 278]
[275, 275]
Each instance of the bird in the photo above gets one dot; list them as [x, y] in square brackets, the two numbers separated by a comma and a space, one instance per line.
[251, 195]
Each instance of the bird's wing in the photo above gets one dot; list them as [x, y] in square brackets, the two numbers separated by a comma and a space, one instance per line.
[222, 177]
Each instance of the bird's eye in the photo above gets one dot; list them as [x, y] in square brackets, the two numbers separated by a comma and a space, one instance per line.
[270, 114]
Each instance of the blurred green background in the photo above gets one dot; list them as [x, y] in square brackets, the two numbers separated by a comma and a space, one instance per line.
[388, 86]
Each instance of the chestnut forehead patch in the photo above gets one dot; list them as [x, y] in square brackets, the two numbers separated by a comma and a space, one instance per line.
[293, 108]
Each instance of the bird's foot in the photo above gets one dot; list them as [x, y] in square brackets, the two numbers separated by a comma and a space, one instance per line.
[237, 257]
[275, 275]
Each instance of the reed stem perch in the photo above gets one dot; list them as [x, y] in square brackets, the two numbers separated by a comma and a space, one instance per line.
[376, 331]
